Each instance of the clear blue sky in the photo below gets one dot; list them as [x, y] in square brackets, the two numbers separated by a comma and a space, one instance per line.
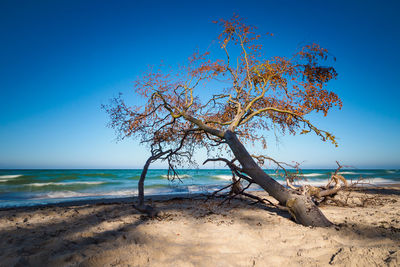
[60, 60]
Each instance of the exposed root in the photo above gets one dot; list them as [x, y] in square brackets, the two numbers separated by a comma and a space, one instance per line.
[328, 192]
[264, 201]
[320, 195]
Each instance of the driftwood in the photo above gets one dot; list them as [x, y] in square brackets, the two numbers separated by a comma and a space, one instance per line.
[319, 194]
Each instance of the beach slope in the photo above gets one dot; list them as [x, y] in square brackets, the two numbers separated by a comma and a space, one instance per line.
[192, 232]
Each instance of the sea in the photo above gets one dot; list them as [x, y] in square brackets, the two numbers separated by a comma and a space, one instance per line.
[37, 187]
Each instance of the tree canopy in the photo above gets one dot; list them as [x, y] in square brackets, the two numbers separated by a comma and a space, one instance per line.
[255, 93]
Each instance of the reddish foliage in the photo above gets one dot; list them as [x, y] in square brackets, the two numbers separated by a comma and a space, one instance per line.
[260, 93]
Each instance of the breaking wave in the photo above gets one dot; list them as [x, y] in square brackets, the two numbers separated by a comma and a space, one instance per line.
[10, 176]
[73, 194]
[180, 176]
[313, 174]
[70, 183]
[223, 177]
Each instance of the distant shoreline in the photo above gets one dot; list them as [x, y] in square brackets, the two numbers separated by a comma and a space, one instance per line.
[156, 197]
[22, 188]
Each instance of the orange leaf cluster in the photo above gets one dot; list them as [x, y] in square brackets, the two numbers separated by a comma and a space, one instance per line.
[255, 94]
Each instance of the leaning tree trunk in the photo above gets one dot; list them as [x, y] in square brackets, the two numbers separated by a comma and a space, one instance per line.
[301, 207]
[149, 210]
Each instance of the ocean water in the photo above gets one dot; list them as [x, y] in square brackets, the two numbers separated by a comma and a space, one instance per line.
[34, 187]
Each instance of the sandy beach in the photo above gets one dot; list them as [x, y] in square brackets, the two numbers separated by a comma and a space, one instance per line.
[195, 232]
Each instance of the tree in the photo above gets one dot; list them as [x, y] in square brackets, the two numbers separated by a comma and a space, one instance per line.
[251, 94]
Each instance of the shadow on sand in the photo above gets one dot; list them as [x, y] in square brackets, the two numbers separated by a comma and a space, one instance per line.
[79, 228]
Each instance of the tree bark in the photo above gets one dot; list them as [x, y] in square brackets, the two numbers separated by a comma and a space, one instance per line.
[141, 181]
[301, 207]
[149, 210]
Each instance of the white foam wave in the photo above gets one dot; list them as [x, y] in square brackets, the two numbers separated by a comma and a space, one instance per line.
[158, 191]
[70, 183]
[71, 194]
[10, 176]
[199, 188]
[64, 194]
[371, 181]
[312, 174]
[377, 181]
[180, 176]
[313, 183]
[223, 177]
